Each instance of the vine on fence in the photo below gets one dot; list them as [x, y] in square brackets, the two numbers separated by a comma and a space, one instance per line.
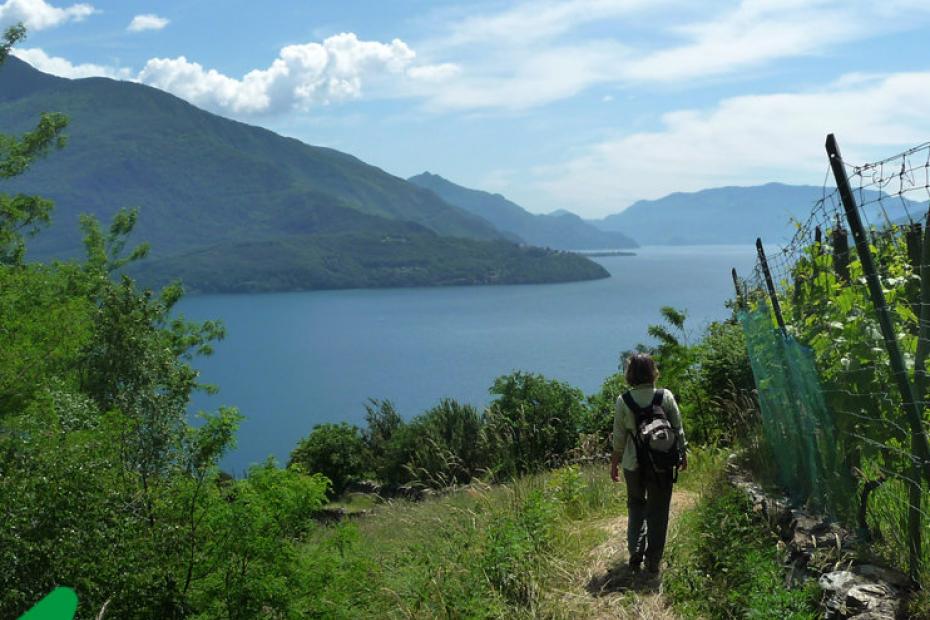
[836, 415]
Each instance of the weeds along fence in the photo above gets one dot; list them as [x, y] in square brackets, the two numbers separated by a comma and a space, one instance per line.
[837, 325]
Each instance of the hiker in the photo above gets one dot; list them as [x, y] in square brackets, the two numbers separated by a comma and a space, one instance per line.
[649, 442]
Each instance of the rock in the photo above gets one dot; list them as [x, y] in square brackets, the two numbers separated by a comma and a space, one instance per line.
[408, 491]
[852, 594]
[364, 486]
[812, 543]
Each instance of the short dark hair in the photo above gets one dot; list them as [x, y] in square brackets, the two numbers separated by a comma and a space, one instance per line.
[641, 369]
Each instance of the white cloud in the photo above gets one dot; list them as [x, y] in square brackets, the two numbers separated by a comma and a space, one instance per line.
[538, 20]
[39, 15]
[756, 32]
[529, 54]
[745, 140]
[147, 21]
[64, 68]
[301, 76]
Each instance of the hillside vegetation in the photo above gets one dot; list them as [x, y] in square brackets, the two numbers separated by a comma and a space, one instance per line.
[231, 207]
[560, 230]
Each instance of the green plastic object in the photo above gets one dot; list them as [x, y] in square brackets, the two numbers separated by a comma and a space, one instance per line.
[60, 604]
[799, 428]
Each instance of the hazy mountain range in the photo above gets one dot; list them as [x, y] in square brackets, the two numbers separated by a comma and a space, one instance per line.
[229, 206]
[561, 229]
[734, 215]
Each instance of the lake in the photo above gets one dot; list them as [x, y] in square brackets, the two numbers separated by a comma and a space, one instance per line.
[293, 360]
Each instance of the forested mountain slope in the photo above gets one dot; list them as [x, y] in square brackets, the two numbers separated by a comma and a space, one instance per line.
[209, 188]
[561, 230]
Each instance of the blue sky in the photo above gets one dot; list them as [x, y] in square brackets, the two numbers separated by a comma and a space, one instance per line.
[587, 105]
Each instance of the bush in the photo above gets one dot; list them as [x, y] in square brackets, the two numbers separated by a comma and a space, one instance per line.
[533, 422]
[336, 451]
[601, 407]
[723, 383]
[447, 449]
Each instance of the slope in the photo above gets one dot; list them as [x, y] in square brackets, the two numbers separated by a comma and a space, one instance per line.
[731, 215]
[561, 229]
[237, 207]
[195, 175]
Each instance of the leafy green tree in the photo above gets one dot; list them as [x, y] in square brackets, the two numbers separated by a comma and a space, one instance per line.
[533, 422]
[22, 215]
[257, 527]
[382, 423]
[600, 407]
[336, 451]
[448, 448]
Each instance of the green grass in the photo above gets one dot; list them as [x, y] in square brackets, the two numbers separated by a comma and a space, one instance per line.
[481, 552]
[723, 563]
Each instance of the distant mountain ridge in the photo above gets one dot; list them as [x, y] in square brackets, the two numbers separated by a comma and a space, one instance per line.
[206, 182]
[728, 215]
[560, 230]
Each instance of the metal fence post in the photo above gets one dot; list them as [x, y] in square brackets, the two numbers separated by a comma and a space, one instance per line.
[898, 368]
[740, 302]
[776, 307]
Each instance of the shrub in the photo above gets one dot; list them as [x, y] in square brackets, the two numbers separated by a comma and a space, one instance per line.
[533, 422]
[336, 451]
[447, 449]
[598, 417]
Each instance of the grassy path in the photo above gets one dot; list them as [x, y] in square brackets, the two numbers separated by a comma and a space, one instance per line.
[601, 586]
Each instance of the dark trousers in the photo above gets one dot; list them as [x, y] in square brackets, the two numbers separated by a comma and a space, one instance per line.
[648, 497]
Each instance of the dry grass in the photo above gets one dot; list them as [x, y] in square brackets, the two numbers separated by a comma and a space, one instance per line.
[602, 587]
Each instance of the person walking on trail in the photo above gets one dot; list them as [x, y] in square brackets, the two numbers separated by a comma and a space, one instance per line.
[649, 442]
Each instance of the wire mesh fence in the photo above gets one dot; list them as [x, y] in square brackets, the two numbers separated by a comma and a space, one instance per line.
[837, 325]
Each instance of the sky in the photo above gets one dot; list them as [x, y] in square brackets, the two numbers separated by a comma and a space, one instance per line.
[584, 105]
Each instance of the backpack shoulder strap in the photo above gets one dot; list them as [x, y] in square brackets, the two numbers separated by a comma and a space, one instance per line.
[657, 398]
[628, 399]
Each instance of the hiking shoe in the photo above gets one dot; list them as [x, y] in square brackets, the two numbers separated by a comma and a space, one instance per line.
[635, 566]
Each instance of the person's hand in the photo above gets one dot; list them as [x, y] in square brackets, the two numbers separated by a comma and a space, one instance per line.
[614, 472]
[684, 463]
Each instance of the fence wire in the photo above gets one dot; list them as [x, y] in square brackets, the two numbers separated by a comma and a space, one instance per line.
[833, 418]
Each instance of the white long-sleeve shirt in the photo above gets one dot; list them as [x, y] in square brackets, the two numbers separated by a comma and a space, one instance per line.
[625, 422]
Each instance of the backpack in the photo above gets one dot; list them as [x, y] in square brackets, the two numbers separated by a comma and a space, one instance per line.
[655, 438]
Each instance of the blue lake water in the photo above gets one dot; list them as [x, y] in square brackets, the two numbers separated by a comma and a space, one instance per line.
[293, 360]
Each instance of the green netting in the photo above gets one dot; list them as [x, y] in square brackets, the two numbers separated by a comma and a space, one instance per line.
[799, 428]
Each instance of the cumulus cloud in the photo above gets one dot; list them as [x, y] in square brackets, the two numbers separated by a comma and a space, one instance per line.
[300, 77]
[40, 15]
[147, 21]
[745, 140]
[64, 68]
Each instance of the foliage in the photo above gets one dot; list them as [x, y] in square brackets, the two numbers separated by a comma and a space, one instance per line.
[21, 214]
[336, 451]
[104, 484]
[724, 564]
[295, 217]
[533, 422]
[601, 407]
[564, 231]
[447, 448]
[256, 529]
[827, 308]
[377, 254]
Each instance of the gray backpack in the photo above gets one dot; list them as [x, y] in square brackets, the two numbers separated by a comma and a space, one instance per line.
[655, 438]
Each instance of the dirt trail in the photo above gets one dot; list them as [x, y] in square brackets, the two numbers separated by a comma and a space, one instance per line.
[608, 590]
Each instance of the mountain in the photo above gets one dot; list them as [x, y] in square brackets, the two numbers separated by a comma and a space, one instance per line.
[731, 215]
[209, 187]
[561, 230]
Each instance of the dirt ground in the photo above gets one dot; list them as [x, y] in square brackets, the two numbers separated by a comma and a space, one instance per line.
[606, 589]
